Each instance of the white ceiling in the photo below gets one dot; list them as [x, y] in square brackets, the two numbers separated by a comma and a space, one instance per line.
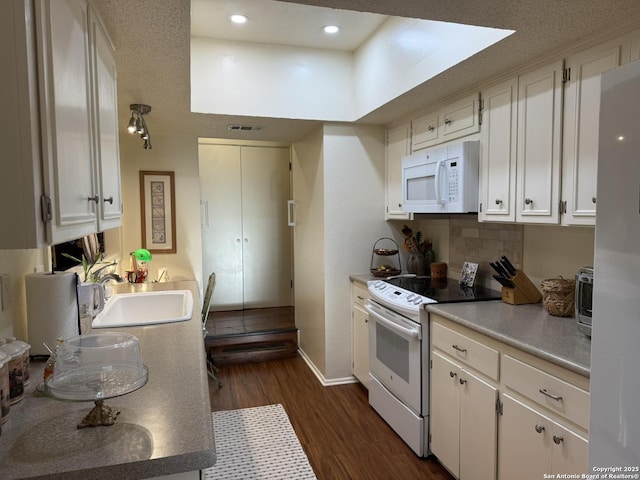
[281, 23]
[152, 39]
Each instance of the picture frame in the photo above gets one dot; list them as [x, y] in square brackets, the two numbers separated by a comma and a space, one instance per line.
[158, 213]
[468, 274]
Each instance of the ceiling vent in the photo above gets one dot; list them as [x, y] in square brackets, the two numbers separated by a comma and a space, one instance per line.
[244, 128]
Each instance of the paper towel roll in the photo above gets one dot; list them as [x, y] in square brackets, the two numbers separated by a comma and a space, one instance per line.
[52, 309]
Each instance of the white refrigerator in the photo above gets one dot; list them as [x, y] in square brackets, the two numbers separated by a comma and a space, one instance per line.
[614, 435]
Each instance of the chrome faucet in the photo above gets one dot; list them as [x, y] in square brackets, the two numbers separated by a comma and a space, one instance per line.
[110, 276]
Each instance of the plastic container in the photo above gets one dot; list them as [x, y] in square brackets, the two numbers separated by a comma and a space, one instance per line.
[4, 387]
[97, 366]
[16, 367]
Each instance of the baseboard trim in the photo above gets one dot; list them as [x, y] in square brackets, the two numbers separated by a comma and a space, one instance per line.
[324, 381]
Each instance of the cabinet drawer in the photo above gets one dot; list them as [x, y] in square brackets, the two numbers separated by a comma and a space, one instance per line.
[547, 390]
[478, 356]
[360, 294]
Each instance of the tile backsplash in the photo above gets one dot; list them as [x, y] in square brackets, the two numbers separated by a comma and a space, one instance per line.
[473, 241]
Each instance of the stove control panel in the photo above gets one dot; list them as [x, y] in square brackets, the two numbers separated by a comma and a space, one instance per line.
[393, 296]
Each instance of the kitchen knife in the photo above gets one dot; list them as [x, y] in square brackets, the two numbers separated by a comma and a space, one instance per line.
[503, 281]
[500, 269]
[508, 265]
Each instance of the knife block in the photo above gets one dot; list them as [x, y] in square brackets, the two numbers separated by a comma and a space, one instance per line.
[524, 291]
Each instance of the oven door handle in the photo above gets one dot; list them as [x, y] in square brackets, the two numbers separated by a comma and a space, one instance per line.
[399, 329]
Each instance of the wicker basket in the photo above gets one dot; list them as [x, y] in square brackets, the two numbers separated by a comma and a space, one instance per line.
[558, 296]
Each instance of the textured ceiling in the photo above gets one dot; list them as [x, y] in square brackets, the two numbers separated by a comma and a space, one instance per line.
[152, 54]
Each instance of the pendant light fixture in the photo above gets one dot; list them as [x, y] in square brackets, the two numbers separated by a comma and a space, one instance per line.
[137, 123]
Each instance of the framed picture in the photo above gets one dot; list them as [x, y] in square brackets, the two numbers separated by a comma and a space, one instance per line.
[158, 215]
[468, 274]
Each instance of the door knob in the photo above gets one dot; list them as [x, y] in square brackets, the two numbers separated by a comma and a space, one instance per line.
[557, 440]
[452, 374]
[539, 428]
[528, 201]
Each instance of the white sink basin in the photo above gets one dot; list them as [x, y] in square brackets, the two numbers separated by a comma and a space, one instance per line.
[145, 308]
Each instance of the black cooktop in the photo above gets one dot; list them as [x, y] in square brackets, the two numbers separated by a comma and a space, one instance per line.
[444, 291]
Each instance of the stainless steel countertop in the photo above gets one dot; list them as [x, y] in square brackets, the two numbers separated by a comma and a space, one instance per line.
[163, 428]
[526, 327]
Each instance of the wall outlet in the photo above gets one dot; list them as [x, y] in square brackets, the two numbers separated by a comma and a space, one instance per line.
[5, 291]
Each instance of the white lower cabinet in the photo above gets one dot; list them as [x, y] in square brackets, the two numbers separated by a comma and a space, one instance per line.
[499, 413]
[360, 319]
[532, 445]
[463, 420]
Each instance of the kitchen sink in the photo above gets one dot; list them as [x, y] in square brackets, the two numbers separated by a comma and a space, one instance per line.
[145, 308]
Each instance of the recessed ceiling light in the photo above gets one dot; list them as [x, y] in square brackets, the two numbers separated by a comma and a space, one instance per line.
[239, 18]
[331, 29]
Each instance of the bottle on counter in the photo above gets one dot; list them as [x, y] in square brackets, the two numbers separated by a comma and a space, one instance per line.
[51, 361]
[430, 255]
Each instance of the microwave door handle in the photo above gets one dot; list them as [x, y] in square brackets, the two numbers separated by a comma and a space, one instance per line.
[439, 176]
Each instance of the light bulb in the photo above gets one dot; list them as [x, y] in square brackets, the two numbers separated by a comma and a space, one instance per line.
[131, 128]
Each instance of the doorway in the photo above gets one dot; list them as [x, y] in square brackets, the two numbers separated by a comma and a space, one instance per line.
[246, 239]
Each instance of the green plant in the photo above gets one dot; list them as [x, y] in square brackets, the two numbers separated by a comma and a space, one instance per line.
[87, 265]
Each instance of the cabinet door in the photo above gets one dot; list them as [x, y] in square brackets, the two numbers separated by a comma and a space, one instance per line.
[570, 452]
[524, 442]
[398, 145]
[498, 158]
[360, 344]
[581, 129]
[63, 54]
[424, 131]
[459, 119]
[220, 190]
[478, 428]
[538, 150]
[444, 413]
[107, 152]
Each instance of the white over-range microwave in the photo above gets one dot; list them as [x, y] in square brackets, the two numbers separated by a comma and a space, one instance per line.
[442, 179]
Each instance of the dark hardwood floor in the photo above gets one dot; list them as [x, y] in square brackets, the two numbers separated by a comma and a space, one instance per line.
[343, 437]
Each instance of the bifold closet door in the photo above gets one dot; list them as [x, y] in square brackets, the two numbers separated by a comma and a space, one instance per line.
[245, 237]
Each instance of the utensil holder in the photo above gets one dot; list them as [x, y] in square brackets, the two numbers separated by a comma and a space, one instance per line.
[523, 291]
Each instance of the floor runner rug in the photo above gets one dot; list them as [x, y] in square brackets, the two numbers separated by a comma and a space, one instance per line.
[257, 443]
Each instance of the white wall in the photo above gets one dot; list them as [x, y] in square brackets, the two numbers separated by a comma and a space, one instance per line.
[237, 78]
[169, 153]
[420, 49]
[308, 246]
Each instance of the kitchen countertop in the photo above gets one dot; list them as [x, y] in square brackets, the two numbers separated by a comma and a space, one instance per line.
[526, 327]
[164, 427]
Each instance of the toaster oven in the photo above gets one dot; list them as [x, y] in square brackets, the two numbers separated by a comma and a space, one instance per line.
[584, 299]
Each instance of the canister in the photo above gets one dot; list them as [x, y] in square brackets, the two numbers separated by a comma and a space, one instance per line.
[4, 387]
[26, 367]
[16, 376]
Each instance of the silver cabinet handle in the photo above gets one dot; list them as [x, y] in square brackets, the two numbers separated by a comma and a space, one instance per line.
[528, 201]
[593, 199]
[430, 128]
[557, 440]
[557, 398]
[539, 428]
[498, 201]
[95, 199]
[108, 200]
[447, 121]
[460, 349]
[462, 381]
[452, 374]
[360, 297]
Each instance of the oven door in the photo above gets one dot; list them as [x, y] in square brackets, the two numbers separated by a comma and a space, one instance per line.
[424, 182]
[394, 354]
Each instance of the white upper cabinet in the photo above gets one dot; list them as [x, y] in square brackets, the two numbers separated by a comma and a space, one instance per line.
[62, 152]
[539, 145]
[65, 109]
[581, 129]
[450, 122]
[498, 140]
[105, 106]
[398, 146]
